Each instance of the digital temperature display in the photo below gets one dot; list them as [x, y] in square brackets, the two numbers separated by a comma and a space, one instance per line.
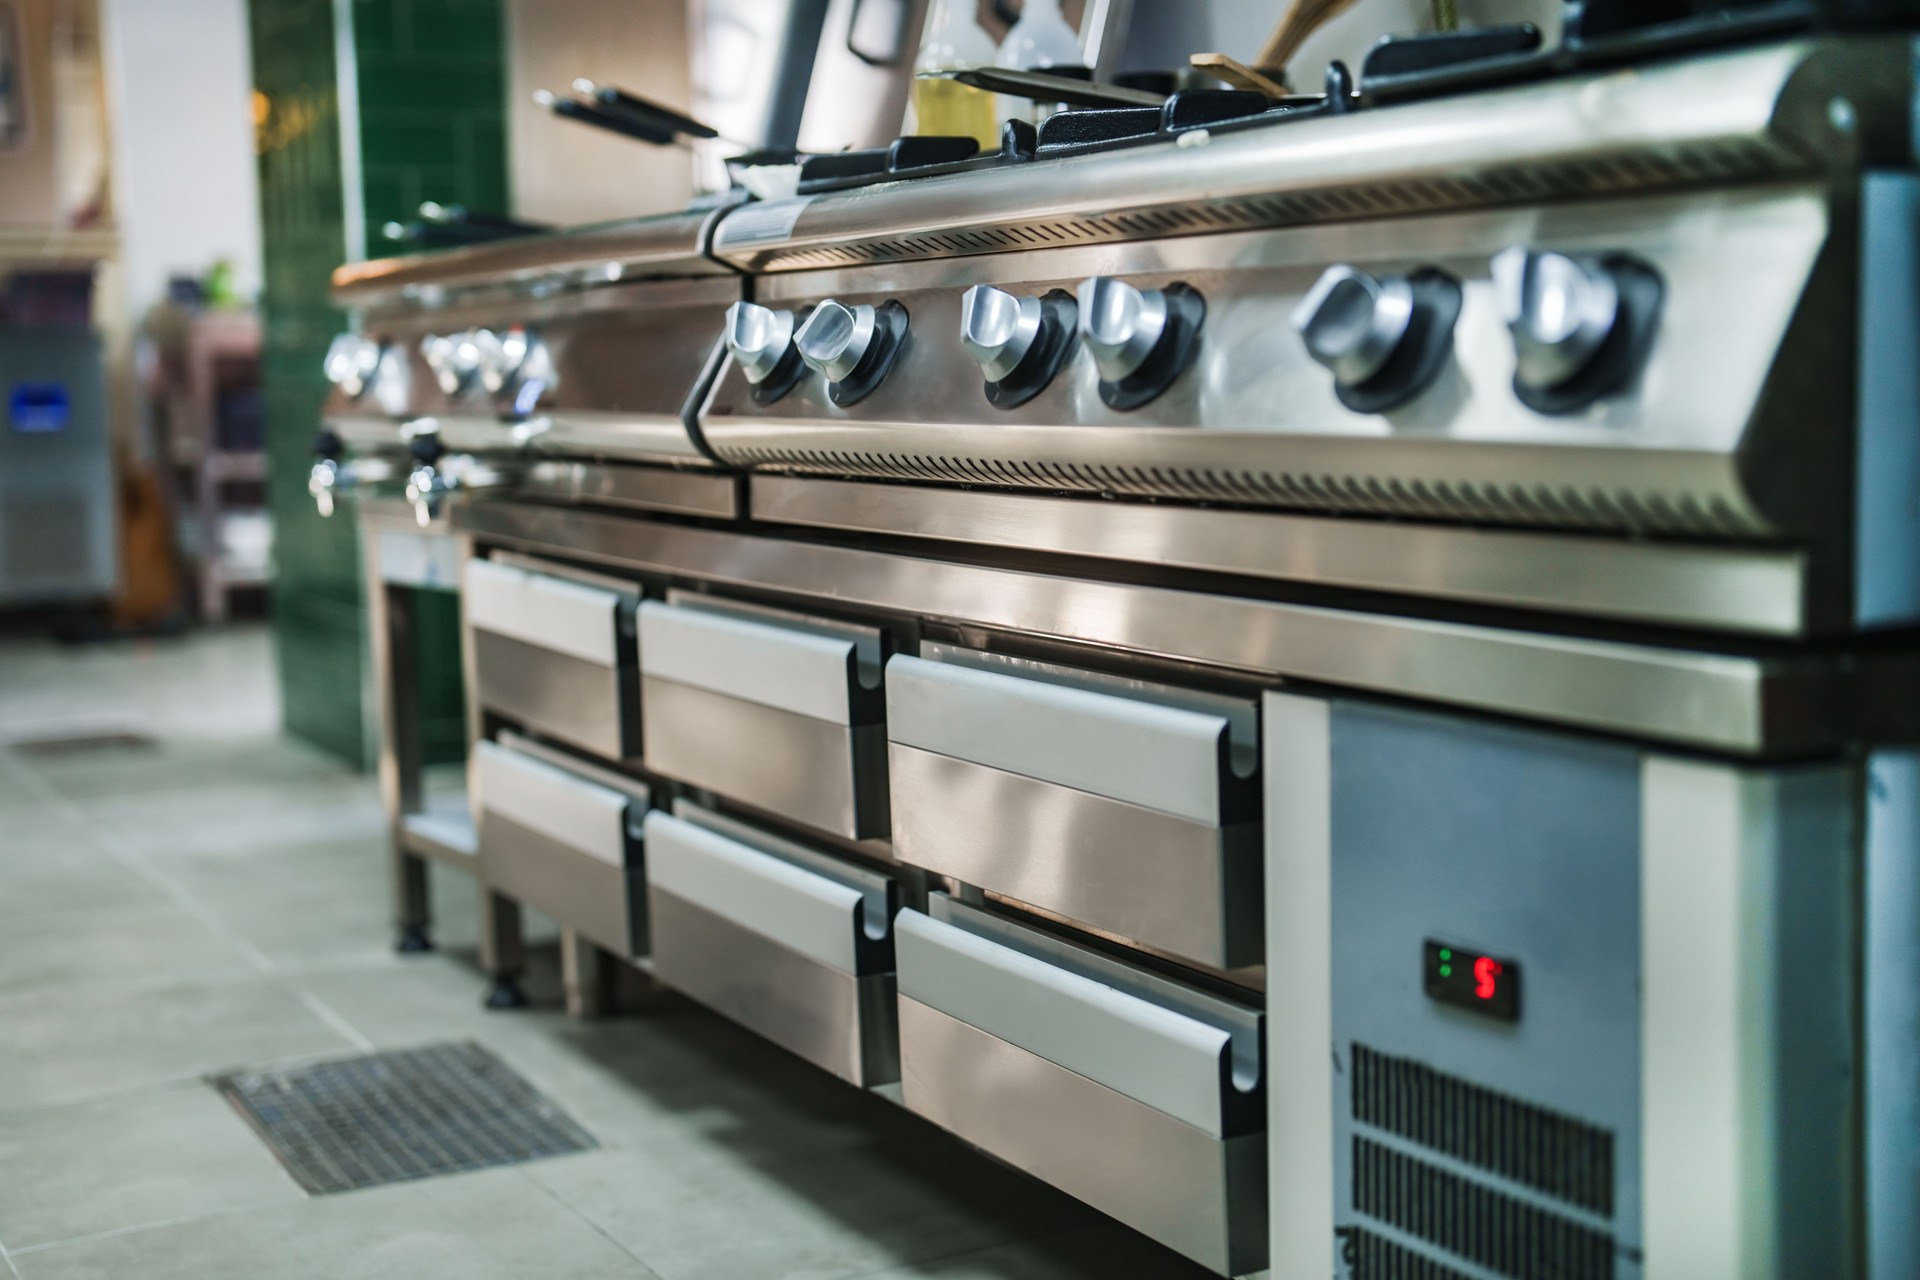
[1487, 985]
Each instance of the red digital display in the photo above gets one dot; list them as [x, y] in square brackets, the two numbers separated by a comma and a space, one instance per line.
[1470, 979]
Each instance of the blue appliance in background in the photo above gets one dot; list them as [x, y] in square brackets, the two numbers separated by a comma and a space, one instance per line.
[57, 542]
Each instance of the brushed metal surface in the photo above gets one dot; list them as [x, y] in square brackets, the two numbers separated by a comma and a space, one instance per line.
[1761, 590]
[558, 613]
[833, 1019]
[664, 245]
[1202, 1196]
[546, 797]
[1725, 699]
[589, 705]
[1723, 117]
[602, 902]
[1182, 887]
[823, 775]
[775, 666]
[1257, 420]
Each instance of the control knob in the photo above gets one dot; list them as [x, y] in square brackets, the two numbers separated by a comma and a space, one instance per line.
[1581, 326]
[514, 367]
[852, 347]
[761, 340]
[352, 364]
[1385, 338]
[1020, 343]
[454, 360]
[1140, 339]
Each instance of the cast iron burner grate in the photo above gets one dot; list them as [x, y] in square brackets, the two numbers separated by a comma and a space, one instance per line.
[393, 1117]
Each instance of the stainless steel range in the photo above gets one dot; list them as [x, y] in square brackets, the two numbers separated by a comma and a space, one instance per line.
[1334, 677]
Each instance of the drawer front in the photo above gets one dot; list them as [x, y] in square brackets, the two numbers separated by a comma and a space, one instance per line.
[564, 844]
[770, 715]
[1144, 1110]
[555, 655]
[1126, 815]
[782, 939]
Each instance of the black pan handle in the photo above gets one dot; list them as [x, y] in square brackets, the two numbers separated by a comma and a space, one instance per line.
[617, 100]
[890, 59]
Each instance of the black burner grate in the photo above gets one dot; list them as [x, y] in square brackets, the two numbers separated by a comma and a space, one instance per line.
[396, 1116]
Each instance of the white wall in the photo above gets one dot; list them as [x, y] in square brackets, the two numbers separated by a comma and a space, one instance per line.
[180, 92]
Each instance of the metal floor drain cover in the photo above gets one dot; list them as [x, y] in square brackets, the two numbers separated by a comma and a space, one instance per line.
[393, 1117]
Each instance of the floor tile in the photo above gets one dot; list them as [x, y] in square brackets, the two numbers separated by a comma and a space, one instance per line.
[1106, 1252]
[157, 1155]
[66, 1046]
[495, 1225]
[295, 903]
[139, 944]
[749, 1203]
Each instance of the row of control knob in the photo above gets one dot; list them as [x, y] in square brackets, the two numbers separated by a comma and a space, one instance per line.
[1581, 327]
[513, 366]
[1140, 341]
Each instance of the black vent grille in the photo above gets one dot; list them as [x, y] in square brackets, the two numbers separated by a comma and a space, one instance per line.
[1554, 1154]
[1475, 1222]
[1374, 1257]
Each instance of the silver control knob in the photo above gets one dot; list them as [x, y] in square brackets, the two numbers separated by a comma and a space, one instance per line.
[353, 364]
[1121, 325]
[1353, 323]
[998, 329]
[1560, 311]
[759, 338]
[454, 359]
[835, 337]
[513, 366]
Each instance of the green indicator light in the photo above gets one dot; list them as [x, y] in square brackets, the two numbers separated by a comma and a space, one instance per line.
[1446, 971]
[1445, 954]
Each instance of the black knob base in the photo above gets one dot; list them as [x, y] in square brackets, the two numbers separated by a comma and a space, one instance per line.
[889, 336]
[1422, 352]
[1059, 317]
[785, 376]
[1179, 343]
[1621, 356]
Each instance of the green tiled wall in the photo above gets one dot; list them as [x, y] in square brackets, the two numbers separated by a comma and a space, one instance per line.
[431, 99]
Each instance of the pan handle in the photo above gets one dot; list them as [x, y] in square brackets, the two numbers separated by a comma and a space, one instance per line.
[889, 59]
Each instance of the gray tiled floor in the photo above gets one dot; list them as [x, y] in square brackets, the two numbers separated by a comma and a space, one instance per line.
[220, 900]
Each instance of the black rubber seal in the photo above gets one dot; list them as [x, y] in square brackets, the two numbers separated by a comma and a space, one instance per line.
[785, 375]
[1623, 354]
[1059, 320]
[1422, 353]
[1186, 314]
[889, 335]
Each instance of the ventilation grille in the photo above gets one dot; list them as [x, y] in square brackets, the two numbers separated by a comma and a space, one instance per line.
[1476, 1222]
[1554, 506]
[1374, 1257]
[1716, 161]
[1551, 1153]
[47, 539]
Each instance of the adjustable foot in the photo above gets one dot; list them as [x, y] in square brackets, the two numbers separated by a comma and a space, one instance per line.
[505, 993]
[413, 940]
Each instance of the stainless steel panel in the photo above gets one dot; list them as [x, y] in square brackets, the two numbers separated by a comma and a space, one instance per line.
[677, 492]
[1725, 699]
[1762, 590]
[1202, 1196]
[1720, 117]
[1182, 887]
[602, 902]
[837, 1021]
[665, 245]
[591, 706]
[1257, 419]
[787, 668]
[824, 775]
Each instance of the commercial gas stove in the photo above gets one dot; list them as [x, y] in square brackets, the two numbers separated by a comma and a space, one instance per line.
[1334, 677]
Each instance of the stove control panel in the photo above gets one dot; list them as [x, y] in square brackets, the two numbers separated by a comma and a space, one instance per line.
[1385, 339]
[1582, 326]
[1140, 339]
[1020, 343]
[852, 347]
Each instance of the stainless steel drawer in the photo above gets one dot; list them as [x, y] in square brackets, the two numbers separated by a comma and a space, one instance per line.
[774, 710]
[787, 941]
[555, 655]
[1141, 1096]
[1129, 807]
[564, 837]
